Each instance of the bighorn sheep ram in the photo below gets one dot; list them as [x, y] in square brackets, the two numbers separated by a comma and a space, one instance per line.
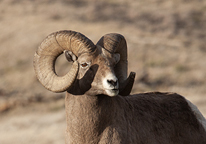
[99, 108]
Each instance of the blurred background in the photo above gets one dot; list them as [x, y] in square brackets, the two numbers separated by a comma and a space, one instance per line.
[166, 47]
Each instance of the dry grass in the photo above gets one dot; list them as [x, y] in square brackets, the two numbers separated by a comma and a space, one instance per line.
[166, 44]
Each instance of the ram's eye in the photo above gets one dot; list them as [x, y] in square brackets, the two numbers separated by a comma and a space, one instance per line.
[84, 65]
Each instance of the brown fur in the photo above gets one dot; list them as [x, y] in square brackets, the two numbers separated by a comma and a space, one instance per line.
[148, 118]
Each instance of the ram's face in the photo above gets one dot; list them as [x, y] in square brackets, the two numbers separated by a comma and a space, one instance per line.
[96, 73]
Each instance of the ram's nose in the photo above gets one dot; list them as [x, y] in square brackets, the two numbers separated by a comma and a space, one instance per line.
[112, 82]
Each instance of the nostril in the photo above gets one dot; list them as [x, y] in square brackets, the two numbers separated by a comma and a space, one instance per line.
[112, 82]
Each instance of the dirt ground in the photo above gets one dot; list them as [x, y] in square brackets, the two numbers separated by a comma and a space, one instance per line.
[166, 49]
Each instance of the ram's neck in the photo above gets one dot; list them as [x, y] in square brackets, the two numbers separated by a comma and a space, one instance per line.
[87, 117]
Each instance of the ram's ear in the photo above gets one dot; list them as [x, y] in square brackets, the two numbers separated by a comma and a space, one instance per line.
[70, 56]
[126, 88]
[116, 57]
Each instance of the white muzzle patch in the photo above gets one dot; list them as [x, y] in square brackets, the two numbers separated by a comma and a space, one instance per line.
[111, 85]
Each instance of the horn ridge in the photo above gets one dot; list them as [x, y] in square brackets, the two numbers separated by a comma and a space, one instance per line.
[48, 51]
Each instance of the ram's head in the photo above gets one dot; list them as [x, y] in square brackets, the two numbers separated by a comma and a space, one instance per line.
[97, 69]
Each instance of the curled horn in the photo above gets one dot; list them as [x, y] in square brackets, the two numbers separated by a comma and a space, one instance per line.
[116, 43]
[53, 46]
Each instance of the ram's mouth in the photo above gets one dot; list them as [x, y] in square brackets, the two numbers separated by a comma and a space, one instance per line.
[115, 89]
[112, 92]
